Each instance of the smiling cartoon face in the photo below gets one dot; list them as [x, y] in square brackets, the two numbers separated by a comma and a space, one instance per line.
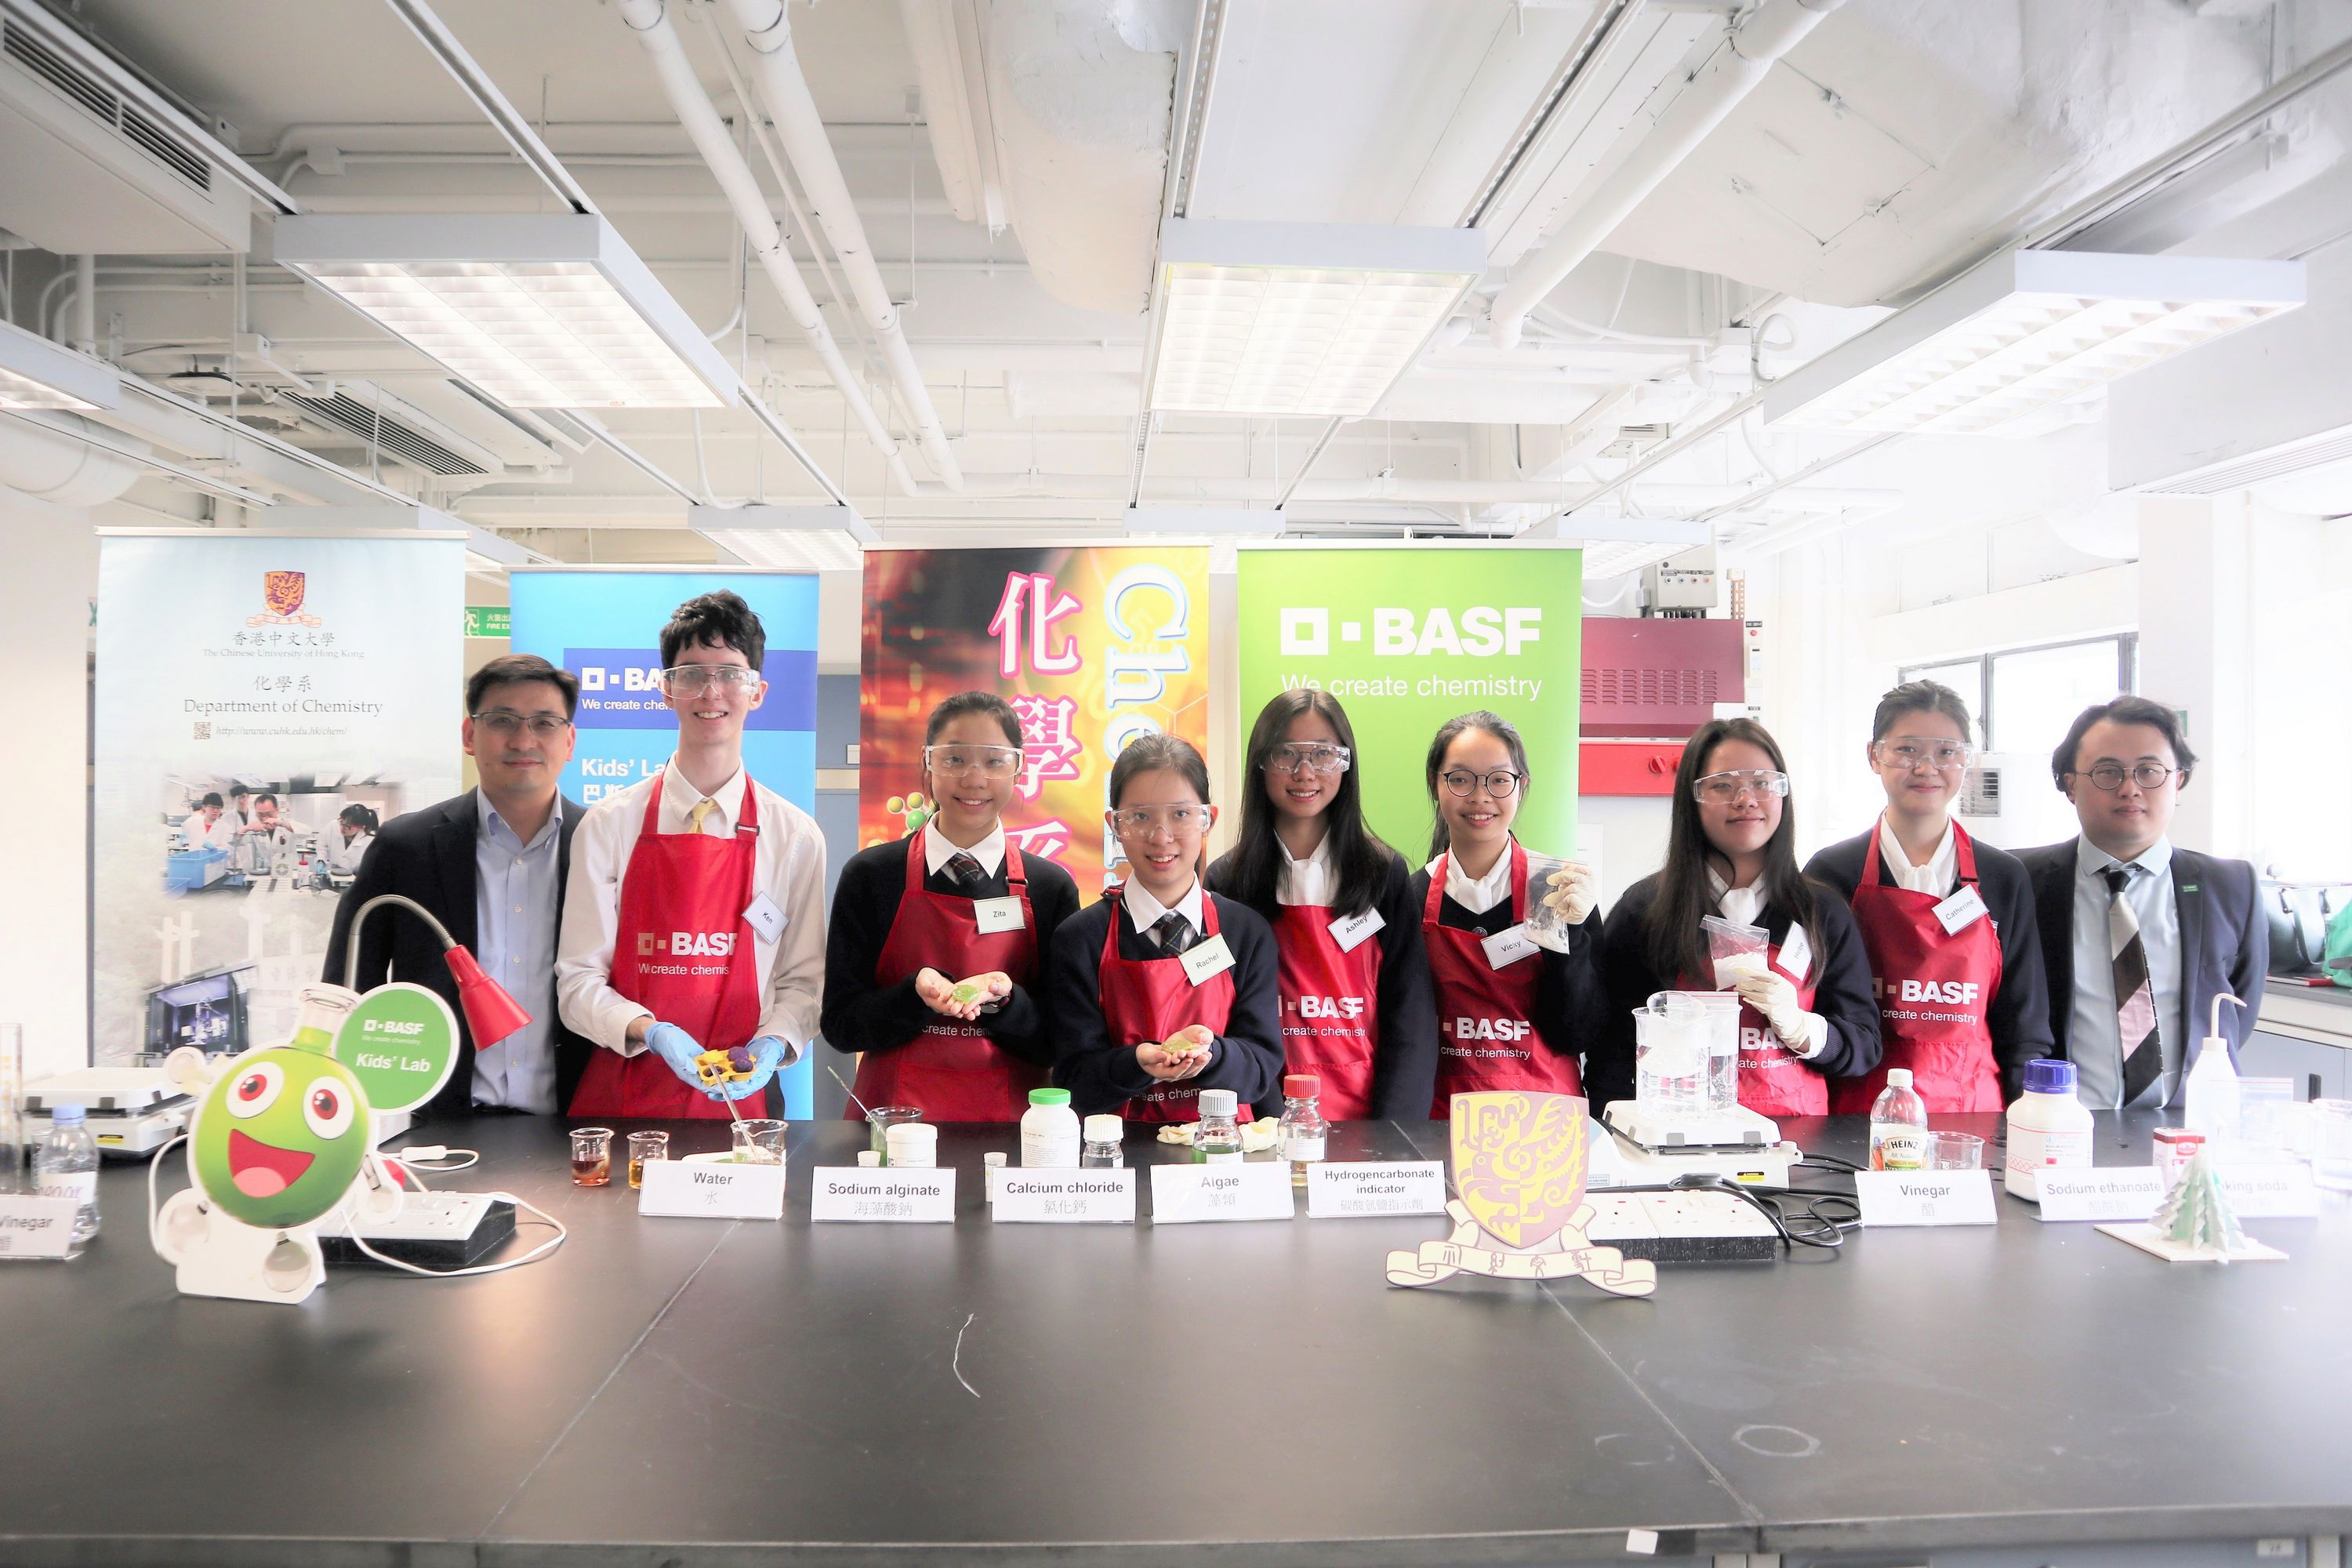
[280, 1137]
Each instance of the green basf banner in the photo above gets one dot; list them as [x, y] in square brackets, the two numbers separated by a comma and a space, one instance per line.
[1407, 636]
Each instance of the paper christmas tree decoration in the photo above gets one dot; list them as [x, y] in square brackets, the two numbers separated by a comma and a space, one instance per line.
[2197, 1212]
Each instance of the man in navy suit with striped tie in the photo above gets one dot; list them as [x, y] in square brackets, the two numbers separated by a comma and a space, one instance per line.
[2139, 936]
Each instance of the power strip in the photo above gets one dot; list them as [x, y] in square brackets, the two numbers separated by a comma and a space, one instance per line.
[433, 1230]
[1682, 1228]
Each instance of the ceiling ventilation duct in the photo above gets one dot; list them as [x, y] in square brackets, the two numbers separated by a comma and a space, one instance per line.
[393, 430]
[1081, 94]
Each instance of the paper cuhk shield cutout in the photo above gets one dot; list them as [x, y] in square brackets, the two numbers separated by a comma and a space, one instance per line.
[1519, 1162]
[282, 591]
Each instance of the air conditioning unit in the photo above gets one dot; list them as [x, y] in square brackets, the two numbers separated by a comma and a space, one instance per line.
[92, 162]
[2009, 802]
[392, 429]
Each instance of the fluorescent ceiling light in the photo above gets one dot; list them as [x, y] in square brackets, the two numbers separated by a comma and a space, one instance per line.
[1301, 318]
[539, 311]
[1204, 520]
[795, 537]
[38, 373]
[2028, 329]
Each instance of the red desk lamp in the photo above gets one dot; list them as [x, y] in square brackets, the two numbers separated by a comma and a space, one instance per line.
[490, 1014]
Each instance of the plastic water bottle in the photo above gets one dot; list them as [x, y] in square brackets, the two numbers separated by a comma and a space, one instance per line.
[66, 1167]
[1898, 1125]
[1301, 1132]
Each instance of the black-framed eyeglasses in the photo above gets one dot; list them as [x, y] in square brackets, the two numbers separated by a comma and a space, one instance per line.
[693, 679]
[1499, 783]
[2109, 776]
[505, 724]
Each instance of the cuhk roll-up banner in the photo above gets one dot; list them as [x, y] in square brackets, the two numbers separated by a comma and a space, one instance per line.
[1092, 645]
[603, 624]
[262, 698]
[1407, 636]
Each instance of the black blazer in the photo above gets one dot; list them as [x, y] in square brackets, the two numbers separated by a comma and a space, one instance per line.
[428, 856]
[2225, 943]
[2019, 1015]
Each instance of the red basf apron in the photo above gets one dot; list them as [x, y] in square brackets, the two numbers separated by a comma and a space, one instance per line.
[952, 1069]
[1935, 991]
[1771, 1081]
[1486, 1037]
[681, 885]
[1145, 1000]
[1330, 1008]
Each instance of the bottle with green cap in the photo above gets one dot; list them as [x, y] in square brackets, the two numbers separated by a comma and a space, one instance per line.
[1049, 1129]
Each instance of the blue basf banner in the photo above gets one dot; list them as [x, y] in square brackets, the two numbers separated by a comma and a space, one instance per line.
[603, 624]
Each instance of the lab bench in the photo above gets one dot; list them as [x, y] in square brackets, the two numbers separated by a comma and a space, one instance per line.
[690, 1391]
[2302, 1032]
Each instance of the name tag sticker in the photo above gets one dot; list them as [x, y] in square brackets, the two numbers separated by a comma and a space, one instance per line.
[1350, 933]
[1507, 946]
[996, 914]
[1925, 1197]
[766, 919]
[37, 1227]
[2109, 1193]
[1204, 960]
[884, 1195]
[1961, 910]
[1352, 1188]
[686, 1189]
[1194, 1194]
[1796, 953]
[1063, 1197]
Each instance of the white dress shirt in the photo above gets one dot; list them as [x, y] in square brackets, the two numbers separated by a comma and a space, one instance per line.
[1477, 894]
[788, 867]
[1745, 906]
[1939, 877]
[1308, 881]
[2092, 1040]
[938, 851]
[1143, 910]
[514, 939]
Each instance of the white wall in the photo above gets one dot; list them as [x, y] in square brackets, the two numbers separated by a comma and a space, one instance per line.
[45, 595]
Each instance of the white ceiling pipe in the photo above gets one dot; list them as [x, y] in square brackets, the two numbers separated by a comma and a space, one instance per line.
[649, 20]
[768, 30]
[1761, 37]
[51, 460]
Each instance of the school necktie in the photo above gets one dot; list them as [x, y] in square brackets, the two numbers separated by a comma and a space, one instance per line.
[963, 869]
[700, 812]
[2137, 1024]
[1174, 933]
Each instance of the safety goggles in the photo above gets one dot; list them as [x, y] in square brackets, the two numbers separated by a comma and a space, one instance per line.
[1910, 753]
[1294, 757]
[1176, 819]
[1724, 789]
[693, 679]
[997, 763]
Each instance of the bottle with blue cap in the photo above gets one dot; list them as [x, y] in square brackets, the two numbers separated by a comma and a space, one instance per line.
[2049, 1129]
[66, 1167]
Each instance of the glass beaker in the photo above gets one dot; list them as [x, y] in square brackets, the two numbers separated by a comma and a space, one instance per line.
[1670, 1062]
[1717, 1012]
[881, 1119]
[642, 1147]
[592, 1156]
[1954, 1152]
[759, 1142]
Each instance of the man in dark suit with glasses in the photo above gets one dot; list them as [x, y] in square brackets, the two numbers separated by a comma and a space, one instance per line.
[492, 864]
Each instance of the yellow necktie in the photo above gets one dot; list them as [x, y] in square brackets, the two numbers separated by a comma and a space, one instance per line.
[702, 809]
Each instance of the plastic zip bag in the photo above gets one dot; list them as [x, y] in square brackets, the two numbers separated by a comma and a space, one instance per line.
[1735, 948]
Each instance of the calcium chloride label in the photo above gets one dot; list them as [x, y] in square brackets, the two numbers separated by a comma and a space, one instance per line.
[1098, 1196]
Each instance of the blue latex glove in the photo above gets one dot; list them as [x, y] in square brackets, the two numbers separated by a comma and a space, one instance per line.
[767, 1056]
[677, 1047]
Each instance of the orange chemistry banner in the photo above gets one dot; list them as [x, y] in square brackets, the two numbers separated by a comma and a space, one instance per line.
[1093, 644]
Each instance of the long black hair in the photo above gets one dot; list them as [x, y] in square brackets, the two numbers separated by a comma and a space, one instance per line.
[983, 702]
[1361, 861]
[1154, 754]
[1672, 936]
[1494, 724]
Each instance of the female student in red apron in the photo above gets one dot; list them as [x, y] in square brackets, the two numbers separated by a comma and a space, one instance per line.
[1955, 951]
[1355, 1006]
[1805, 1017]
[1510, 1015]
[954, 902]
[1162, 989]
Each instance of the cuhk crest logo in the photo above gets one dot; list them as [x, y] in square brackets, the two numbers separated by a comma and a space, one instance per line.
[281, 598]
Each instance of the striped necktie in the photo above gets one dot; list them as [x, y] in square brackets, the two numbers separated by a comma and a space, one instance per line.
[2137, 1025]
[1174, 933]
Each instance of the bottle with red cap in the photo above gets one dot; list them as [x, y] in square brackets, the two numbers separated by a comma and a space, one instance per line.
[1301, 1131]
